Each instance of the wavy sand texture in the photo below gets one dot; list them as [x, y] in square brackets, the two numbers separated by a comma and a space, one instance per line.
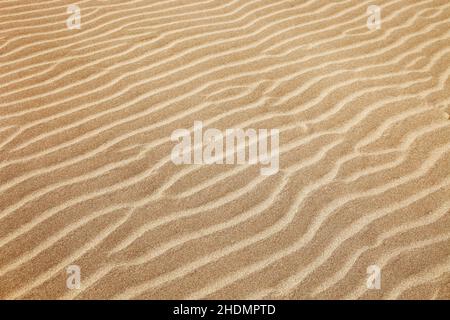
[86, 176]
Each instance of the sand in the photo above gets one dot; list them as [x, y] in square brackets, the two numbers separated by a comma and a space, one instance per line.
[86, 178]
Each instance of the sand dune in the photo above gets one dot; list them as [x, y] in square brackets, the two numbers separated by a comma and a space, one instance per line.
[86, 177]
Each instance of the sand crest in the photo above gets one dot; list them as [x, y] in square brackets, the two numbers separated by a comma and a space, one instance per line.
[86, 176]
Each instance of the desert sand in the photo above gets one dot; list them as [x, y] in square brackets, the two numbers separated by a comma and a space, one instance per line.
[86, 178]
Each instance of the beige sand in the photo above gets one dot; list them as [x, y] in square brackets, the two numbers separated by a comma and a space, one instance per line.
[85, 171]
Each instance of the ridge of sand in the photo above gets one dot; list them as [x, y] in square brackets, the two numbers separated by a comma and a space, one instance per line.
[86, 177]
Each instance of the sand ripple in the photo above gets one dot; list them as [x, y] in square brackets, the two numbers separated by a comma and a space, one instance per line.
[86, 176]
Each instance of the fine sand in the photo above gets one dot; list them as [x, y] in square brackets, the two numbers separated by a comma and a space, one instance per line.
[86, 177]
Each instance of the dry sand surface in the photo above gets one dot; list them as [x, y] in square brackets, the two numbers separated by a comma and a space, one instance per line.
[86, 177]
